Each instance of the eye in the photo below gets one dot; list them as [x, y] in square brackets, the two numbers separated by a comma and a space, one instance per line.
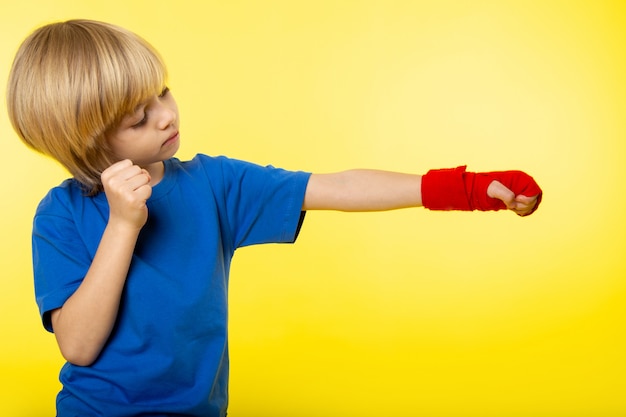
[142, 122]
[144, 118]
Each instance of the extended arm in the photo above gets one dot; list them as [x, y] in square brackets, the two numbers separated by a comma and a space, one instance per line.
[83, 324]
[449, 189]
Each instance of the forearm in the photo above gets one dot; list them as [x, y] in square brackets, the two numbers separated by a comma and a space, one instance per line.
[84, 323]
[363, 190]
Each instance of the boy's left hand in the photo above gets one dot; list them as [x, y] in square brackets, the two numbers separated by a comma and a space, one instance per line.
[520, 204]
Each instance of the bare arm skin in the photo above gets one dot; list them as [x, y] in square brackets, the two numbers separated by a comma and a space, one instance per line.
[83, 324]
[363, 190]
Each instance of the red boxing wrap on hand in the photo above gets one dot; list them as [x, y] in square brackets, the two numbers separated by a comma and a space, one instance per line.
[456, 189]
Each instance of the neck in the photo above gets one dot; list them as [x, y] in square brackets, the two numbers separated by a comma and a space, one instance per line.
[156, 171]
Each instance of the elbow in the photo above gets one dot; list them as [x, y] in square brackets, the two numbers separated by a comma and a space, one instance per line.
[78, 357]
[78, 354]
[74, 346]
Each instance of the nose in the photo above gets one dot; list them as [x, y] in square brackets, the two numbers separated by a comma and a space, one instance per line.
[167, 116]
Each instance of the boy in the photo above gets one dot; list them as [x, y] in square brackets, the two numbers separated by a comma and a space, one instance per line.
[131, 256]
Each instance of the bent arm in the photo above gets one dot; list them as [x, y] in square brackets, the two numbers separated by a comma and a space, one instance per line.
[83, 324]
[85, 321]
[363, 190]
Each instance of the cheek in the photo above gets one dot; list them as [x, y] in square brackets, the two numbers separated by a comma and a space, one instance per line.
[125, 143]
[115, 145]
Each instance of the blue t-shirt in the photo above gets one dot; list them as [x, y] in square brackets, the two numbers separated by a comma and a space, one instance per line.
[168, 352]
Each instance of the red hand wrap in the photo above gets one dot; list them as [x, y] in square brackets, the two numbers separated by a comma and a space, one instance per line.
[456, 189]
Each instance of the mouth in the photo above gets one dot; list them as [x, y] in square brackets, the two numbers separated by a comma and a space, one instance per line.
[171, 139]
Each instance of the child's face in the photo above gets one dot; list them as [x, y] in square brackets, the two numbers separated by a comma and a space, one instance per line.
[150, 134]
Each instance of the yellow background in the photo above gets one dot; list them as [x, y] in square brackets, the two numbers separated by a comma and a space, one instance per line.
[408, 313]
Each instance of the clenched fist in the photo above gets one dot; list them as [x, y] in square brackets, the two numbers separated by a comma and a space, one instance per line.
[127, 188]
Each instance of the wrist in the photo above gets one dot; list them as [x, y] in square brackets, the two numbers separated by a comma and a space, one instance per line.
[123, 228]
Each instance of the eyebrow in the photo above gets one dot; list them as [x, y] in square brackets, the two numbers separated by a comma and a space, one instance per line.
[134, 111]
[139, 106]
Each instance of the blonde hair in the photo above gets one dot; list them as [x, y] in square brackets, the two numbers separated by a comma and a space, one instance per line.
[71, 82]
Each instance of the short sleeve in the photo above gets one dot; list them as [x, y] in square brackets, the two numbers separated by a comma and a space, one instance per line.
[61, 257]
[263, 203]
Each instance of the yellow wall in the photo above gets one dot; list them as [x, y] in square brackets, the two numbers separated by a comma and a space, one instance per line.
[410, 313]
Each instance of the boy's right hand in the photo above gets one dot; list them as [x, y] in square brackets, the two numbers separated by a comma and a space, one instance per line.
[127, 188]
